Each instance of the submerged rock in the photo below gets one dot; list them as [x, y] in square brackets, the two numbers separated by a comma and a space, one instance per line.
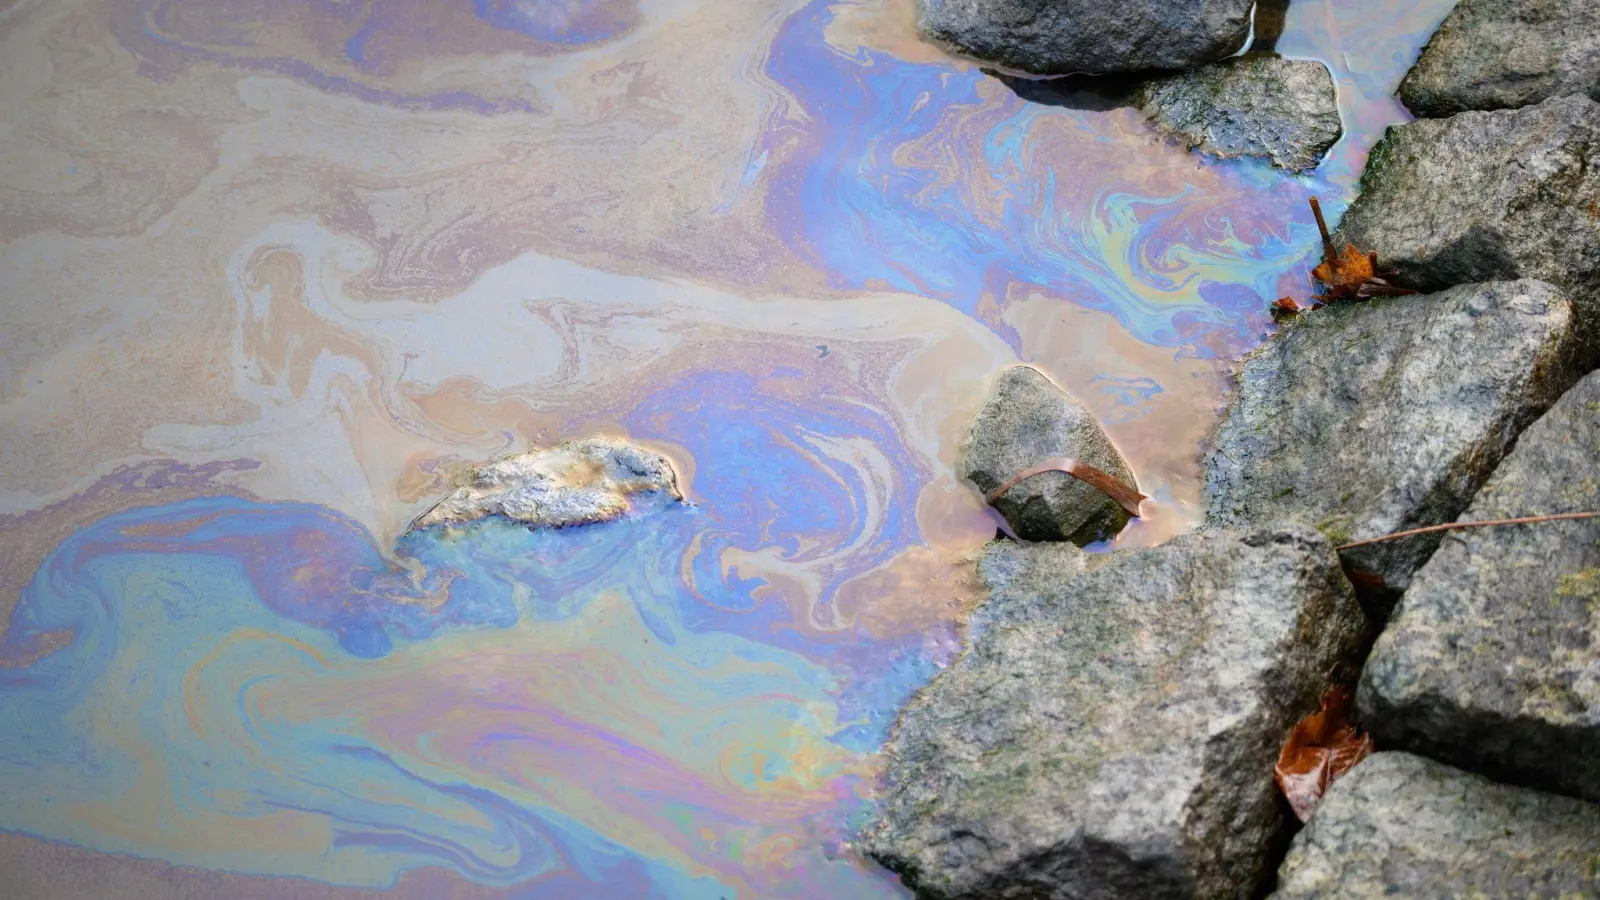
[575, 483]
[1502, 54]
[1282, 110]
[1492, 661]
[1403, 826]
[1364, 419]
[1112, 729]
[1489, 195]
[1027, 420]
[1062, 37]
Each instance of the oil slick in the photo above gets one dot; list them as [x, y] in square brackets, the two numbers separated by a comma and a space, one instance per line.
[299, 269]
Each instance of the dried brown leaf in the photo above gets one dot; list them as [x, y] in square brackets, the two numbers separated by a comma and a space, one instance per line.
[1321, 748]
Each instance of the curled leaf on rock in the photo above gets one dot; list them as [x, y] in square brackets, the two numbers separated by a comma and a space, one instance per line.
[1125, 496]
[1321, 748]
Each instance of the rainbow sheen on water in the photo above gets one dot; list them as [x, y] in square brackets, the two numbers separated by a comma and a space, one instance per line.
[304, 260]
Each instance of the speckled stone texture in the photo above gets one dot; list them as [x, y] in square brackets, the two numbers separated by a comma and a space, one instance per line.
[1283, 110]
[1364, 419]
[1492, 662]
[1484, 196]
[1062, 37]
[1403, 826]
[576, 483]
[1112, 729]
[1027, 420]
[1502, 54]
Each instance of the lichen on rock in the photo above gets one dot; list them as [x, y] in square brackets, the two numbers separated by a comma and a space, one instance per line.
[1063, 37]
[1364, 419]
[1112, 729]
[1493, 659]
[1485, 196]
[1283, 110]
[1403, 826]
[1503, 54]
[573, 483]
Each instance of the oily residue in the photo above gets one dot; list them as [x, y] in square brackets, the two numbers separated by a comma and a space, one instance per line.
[274, 271]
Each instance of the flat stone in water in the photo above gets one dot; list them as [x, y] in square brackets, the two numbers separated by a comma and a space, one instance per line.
[1282, 110]
[1364, 419]
[1492, 661]
[1502, 54]
[1112, 729]
[575, 483]
[1403, 826]
[1026, 421]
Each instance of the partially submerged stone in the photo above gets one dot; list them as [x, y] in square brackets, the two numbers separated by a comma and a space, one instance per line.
[1062, 37]
[1364, 419]
[1484, 196]
[1403, 826]
[1502, 54]
[1112, 729]
[1283, 110]
[1493, 659]
[1026, 421]
[576, 483]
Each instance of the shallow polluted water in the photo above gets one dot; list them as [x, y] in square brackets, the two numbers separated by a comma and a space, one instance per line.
[271, 272]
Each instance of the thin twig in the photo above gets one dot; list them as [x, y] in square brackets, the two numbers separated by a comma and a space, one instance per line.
[1452, 526]
[1126, 497]
[1328, 253]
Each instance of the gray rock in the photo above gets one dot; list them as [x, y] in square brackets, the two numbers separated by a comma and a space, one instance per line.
[1484, 196]
[575, 483]
[1502, 54]
[1492, 662]
[1402, 826]
[1112, 728]
[1364, 419]
[1282, 110]
[1063, 37]
[1027, 420]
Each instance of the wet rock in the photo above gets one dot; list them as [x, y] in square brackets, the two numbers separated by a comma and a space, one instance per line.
[1403, 826]
[575, 483]
[1027, 420]
[1282, 110]
[1484, 196]
[1364, 419]
[1112, 729]
[1502, 54]
[1062, 37]
[1492, 661]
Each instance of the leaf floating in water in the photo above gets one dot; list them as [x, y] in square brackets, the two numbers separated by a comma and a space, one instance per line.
[1126, 497]
[1321, 748]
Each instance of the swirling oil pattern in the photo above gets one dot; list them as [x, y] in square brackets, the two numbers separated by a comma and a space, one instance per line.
[271, 274]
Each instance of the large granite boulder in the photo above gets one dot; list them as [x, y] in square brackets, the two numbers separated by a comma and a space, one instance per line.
[1364, 419]
[1062, 37]
[1492, 661]
[574, 483]
[1283, 110]
[1027, 420]
[1502, 54]
[1483, 196]
[1111, 730]
[1402, 826]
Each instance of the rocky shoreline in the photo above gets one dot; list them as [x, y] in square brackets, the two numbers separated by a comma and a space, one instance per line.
[1111, 729]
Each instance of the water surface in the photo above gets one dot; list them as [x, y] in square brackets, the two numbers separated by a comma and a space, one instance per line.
[271, 272]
